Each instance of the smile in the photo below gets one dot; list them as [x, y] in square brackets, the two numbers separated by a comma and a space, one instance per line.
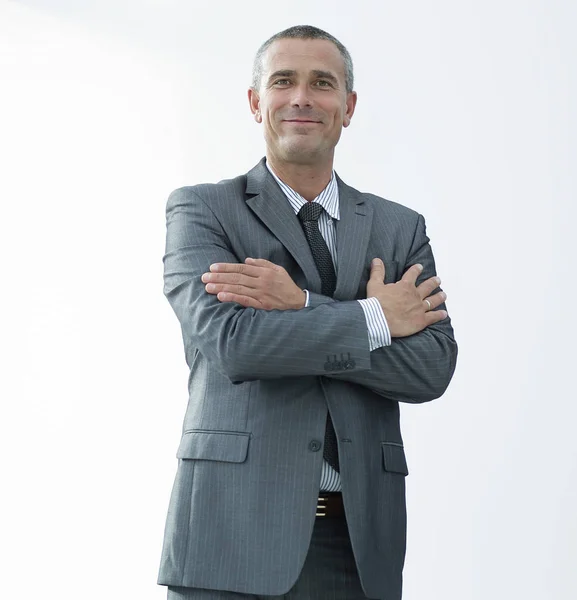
[304, 122]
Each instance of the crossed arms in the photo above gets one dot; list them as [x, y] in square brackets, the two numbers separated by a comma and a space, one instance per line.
[247, 343]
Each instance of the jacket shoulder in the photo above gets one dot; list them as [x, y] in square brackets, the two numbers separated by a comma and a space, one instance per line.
[210, 193]
[389, 206]
[380, 204]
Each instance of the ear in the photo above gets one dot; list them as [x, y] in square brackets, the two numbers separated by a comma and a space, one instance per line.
[351, 104]
[254, 103]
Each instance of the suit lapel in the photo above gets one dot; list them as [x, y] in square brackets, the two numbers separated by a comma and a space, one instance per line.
[353, 229]
[273, 209]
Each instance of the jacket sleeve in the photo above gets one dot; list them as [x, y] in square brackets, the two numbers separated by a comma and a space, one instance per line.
[417, 368]
[245, 343]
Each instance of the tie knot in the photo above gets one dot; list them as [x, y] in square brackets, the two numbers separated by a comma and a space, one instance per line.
[311, 211]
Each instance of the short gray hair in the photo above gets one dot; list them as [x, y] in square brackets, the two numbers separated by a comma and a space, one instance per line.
[303, 32]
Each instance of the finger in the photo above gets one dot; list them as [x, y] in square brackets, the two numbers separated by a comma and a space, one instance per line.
[433, 302]
[426, 288]
[227, 268]
[252, 271]
[412, 273]
[248, 278]
[242, 290]
[377, 270]
[246, 301]
[434, 316]
[262, 262]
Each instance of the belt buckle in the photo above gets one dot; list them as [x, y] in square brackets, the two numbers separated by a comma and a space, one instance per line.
[321, 507]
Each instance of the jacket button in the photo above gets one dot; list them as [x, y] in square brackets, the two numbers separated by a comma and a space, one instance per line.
[314, 445]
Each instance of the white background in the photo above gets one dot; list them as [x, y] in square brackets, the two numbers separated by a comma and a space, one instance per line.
[466, 113]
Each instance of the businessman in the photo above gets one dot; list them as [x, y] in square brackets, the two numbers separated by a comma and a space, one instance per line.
[309, 311]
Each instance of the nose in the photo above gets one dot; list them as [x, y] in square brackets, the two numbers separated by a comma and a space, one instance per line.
[301, 96]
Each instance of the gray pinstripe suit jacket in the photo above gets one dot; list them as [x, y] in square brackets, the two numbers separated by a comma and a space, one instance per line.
[244, 499]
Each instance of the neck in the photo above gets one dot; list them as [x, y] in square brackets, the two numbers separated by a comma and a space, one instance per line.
[307, 180]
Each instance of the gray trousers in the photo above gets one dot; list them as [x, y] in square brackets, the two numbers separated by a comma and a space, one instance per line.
[329, 572]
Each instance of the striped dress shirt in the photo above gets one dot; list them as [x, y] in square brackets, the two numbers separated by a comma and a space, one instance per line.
[378, 329]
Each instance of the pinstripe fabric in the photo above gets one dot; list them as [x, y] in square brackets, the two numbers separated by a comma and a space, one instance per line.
[329, 572]
[242, 508]
[328, 199]
[378, 329]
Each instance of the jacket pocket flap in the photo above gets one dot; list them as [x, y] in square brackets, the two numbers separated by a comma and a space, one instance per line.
[214, 445]
[394, 458]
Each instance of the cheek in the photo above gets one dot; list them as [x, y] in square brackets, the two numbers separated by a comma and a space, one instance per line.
[271, 116]
[336, 116]
[337, 123]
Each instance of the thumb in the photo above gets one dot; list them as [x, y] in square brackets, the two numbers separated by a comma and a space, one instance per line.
[377, 270]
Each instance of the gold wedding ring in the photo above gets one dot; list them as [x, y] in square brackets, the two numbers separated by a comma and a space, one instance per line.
[428, 304]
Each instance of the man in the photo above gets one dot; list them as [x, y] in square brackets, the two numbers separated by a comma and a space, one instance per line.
[291, 472]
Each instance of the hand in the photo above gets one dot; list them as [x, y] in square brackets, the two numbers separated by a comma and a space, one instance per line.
[257, 284]
[404, 302]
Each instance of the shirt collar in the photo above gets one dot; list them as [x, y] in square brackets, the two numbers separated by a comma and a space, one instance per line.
[328, 198]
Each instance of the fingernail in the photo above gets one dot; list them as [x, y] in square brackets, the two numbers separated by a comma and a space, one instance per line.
[420, 267]
[376, 262]
[205, 277]
[443, 295]
[437, 280]
[214, 267]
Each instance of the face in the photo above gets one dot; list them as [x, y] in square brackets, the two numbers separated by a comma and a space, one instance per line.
[302, 101]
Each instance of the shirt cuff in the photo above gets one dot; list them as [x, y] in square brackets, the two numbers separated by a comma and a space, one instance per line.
[378, 328]
[307, 298]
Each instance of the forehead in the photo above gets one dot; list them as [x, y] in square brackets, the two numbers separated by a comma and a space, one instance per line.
[304, 55]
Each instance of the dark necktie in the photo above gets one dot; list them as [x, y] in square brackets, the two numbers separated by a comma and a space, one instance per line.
[309, 215]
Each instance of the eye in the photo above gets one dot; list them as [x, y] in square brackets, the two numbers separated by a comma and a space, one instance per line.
[281, 81]
[324, 81]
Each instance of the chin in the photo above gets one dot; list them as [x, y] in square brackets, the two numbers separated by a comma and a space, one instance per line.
[296, 151]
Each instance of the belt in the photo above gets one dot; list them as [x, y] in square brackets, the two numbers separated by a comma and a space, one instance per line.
[330, 504]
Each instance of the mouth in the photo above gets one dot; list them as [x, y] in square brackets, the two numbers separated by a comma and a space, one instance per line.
[301, 122]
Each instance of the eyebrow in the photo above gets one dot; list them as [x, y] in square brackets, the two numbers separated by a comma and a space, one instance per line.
[316, 72]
